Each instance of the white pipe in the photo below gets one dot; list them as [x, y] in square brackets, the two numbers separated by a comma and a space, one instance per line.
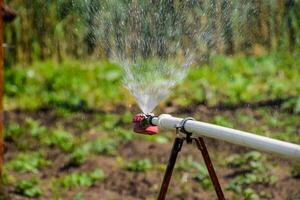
[242, 138]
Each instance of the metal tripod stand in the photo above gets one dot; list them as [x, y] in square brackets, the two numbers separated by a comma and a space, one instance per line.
[178, 143]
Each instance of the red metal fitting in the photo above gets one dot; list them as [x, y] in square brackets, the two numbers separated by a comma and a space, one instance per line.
[142, 125]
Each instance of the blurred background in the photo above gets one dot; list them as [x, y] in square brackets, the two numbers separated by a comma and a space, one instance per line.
[68, 117]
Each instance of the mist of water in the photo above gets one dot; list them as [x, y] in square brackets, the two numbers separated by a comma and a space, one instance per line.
[150, 81]
[154, 42]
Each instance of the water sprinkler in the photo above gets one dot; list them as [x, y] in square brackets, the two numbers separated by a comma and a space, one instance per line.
[143, 125]
[198, 129]
[190, 130]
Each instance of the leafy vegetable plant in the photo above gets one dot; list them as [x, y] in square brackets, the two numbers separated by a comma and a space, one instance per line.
[254, 171]
[29, 188]
[81, 179]
[29, 162]
[60, 138]
[139, 165]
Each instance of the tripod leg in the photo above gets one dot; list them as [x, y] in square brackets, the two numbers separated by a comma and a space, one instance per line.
[168, 173]
[213, 176]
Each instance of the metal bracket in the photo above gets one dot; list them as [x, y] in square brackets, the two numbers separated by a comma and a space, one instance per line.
[180, 128]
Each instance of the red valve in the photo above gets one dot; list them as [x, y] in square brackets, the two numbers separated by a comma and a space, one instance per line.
[143, 126]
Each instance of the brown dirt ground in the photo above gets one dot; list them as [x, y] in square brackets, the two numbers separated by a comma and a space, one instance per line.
[122, 184]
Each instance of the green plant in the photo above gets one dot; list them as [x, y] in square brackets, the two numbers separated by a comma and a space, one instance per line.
[226, 80]
[29, 188]
[60, 138]
[202, 176]
[35, 128]
[81, 179]
[6, 177]
[255, 171]
[250, 194]
[156, 138]
[139, 165]
[296, 170]
[29, 162]
[78, 156]
[201, 173]
[186, 164]
[249, 161]
[13, 130]
[293, 104]
[223, 121]
[103, 145]
[109, 121]
[127, 117]
[124, 134]
[79, 196]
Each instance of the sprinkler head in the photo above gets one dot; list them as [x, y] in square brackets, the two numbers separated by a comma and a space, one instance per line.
[142, 124]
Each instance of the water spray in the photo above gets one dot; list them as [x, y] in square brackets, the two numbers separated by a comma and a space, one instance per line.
[190, 130]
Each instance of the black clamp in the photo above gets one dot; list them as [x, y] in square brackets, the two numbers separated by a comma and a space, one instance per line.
[149, 118]
[180, 127]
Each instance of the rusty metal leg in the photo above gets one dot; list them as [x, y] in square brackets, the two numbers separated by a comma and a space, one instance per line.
[168, 173]
[202, 147]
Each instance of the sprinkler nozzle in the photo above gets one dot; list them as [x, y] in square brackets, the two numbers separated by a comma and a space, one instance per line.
[142, 124]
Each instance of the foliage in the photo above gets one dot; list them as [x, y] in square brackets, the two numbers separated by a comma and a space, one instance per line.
[222, 121]
[105, 145]
[13, 130]
[79, 196]
[35, 128]
[28, 162]
[201, 173]
[124, 134]
[75, 28]
[109, 121]
[29, 188]
[81, 179]
[202, 176]
[254, 171]
[156, 138]
[67, 85]
[127, 117]
[296, 170]
[231, 81]
[78, 156]
[60, 138]
[102, 145]
[293, 104]
[228, 81]
[139, 165]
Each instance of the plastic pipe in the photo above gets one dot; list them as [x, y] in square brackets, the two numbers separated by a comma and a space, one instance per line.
[242, 138]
